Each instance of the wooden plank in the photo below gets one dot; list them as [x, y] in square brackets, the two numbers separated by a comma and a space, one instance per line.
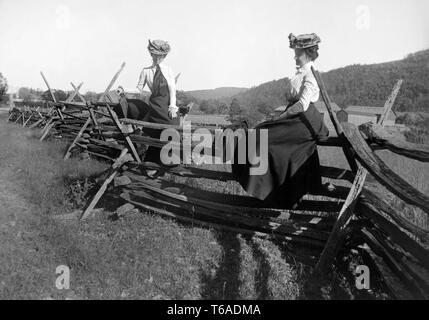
[100, 155]
[395, 287]
[113, 171]
[16, 120]
[248, 205]
[348, 152]
[46, 131]
[419, 272]
[381, 172]
[82, 130]
[35, 124]
[280, 216]
[112, 82]
[376, 134]
[390, 101]
[151, 125]
[373, 207]
[76, 92]
[24, 124]
[124, 134]
[52, 94]
[394, 265]
[338, 232]
[215, 225]
[197, 207]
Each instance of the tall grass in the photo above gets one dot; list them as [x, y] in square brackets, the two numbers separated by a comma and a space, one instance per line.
[140, 256]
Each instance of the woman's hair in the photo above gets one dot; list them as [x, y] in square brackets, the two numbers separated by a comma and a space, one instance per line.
[312, 52]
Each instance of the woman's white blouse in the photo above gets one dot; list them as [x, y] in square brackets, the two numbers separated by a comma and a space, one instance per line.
[303, 87]
[147, 75]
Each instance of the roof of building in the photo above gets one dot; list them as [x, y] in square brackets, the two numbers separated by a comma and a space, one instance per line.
[362, 113]
[320, 105]
[366, 109]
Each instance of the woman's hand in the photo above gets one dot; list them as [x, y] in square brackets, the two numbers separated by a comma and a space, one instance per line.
[294, 109]
[172, 111]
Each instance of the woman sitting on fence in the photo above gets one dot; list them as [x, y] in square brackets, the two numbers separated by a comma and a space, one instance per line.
[293, 162]
[162, 102]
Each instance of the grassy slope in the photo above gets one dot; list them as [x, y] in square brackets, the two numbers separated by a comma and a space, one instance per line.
[141, 256]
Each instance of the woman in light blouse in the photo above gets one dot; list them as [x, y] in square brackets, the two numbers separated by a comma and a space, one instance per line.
[162, 102]
[293, 163]
[162, 84]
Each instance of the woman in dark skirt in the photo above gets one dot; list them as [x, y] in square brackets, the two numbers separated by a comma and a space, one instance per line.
[162, 102]
[293, 162]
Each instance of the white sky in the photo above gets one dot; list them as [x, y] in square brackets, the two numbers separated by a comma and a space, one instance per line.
[214, 43]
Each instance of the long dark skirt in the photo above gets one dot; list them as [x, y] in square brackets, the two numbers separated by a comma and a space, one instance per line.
[132, 109]
[158, 113]
[293, 162]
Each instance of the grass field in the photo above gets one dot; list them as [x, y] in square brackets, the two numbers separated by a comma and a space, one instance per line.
[141, 255]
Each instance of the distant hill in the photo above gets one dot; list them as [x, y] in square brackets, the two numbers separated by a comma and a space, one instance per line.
[358, 85]
[218, 93]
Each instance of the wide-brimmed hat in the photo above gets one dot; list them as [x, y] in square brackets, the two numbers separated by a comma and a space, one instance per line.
[303, 41]
[158, 47]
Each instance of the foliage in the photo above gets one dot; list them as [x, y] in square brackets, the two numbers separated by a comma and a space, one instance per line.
[3, 88]
[418, 123]
[59, 95]
[372, 84]
[91, 96]
[29, 94]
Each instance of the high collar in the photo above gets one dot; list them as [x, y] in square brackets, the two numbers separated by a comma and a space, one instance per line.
[305, 67]
[160, 65]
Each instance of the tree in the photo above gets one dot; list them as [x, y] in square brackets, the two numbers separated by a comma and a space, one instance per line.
[91, 96]
[235, 108]
[204, 106]
[3, 88]
[60, 95]
[264, 108]
[223, 108]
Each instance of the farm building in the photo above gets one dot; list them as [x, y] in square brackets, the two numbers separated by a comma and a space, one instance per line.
[352, 114]
[361, 114]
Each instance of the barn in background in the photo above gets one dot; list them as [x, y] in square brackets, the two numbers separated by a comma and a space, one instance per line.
[361, 114]
[352, 114]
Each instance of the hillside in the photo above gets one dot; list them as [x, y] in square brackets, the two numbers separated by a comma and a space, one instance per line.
[218, 93]
[351, 85]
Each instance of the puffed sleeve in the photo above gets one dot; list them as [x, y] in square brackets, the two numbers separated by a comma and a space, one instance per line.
[142, 81]
[172, 86]
[171, 81]
[309, 91]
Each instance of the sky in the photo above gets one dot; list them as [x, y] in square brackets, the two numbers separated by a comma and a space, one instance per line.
[239, 43]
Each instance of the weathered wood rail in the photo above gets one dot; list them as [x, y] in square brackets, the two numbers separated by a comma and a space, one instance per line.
[324, 221]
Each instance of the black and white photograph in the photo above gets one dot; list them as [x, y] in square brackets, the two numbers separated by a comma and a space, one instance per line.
[214, 154]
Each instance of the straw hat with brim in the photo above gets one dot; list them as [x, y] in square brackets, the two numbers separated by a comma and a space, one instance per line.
[160, 47]
[303, 41]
